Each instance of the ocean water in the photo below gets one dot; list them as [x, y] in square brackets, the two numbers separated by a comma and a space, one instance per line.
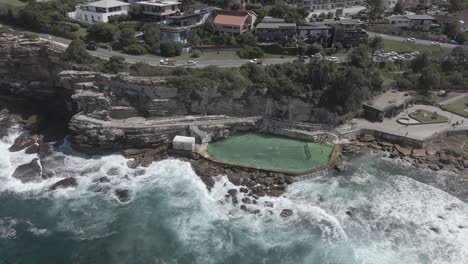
[374, 214]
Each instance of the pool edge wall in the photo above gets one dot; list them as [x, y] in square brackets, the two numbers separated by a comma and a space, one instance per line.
[332, 161]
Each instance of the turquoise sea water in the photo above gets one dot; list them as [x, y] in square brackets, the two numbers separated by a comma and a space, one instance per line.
[371, 214]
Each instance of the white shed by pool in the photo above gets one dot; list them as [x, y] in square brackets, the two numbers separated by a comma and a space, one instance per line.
[184, 143]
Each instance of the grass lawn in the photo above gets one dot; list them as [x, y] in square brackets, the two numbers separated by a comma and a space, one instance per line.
[222, 55]
[424, 116]
[225, 55]
[270, 151]
[397, 46]
[458, 107]
[13, 3]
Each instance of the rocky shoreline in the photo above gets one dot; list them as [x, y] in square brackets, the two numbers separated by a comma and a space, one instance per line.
[449, 154]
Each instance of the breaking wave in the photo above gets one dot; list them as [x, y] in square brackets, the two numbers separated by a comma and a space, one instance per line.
[370, 215]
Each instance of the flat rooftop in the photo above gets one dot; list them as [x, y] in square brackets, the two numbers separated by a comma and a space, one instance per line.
[389, 100]
[158, 3]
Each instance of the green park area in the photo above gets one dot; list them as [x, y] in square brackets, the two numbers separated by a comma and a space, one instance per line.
[459, 106]
[398, 46]
[13, 3]
[424, 116]
[270, 152]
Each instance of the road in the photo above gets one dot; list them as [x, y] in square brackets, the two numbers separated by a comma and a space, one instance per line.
[105, 54]
[404, 39]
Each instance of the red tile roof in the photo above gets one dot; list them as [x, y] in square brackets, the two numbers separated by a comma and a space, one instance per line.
[230, 20]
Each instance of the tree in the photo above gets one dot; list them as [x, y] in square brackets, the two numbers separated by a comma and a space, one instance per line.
[115, 64]
[135, 49]
[429, 79]
[103, 32]
[361, 57]
[169, 49]
[376, 43]
[151, 32]
[76, 52]
[452, 29]
[313, 49]
[127, 37]
[247, 39]
[251, 53]
[398, 9]
[460, 54]
[421, 61]
[376, 9]
[231, 41]
[457, 5]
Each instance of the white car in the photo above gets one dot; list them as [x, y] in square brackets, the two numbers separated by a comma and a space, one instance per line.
[412, 40]
[191, 63]
[435, 43]
[332, 59]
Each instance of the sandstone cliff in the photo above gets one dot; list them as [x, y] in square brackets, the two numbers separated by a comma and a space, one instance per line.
[111, 112]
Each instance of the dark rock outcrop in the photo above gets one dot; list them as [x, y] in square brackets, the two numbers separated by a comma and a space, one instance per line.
[23, 142]
[286, 213]
[29, 172]
[65, 183]
[123, 195]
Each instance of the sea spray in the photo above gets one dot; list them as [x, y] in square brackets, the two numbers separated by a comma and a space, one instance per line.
[368, 215]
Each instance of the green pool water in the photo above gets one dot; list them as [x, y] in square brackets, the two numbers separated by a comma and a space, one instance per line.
[269, 151]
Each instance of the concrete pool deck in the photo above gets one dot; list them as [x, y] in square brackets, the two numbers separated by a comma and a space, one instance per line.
[417, 134]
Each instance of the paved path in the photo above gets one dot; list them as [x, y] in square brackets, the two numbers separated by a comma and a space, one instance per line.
[460, 96]
[405, 39]
[416, 132]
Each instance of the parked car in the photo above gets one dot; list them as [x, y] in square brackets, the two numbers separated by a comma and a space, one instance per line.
[170, 62]
[92, 46]
[435, 43]
[453, 42]
[332, 59]
[412, 40]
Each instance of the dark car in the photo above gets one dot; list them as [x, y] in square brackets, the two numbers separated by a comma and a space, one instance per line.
[91, 46]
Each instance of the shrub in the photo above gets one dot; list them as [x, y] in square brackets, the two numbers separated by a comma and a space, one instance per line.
[76, 52]
[251, 53]
[313, 49]
[135, 49]
[169, 49]
[196, 54]
[115, 64]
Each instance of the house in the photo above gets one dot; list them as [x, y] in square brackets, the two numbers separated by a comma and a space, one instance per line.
[387, 105]
[234, 22]
[349, 37]
[159, 9]
[177, 29]
[99, 11]
[315, 33]
[315, 5]
[420, 22]
[418, 4]
[275, 30]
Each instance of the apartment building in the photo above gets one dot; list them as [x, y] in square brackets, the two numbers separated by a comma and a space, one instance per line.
[100, 11]
[160, 9]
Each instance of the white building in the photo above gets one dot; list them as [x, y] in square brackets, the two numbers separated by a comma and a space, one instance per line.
[99, 11]
[184, 143]
[160, 9]
[420, 22]
[314, 5]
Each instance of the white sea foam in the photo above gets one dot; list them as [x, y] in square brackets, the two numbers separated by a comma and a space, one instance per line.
[368, 217]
